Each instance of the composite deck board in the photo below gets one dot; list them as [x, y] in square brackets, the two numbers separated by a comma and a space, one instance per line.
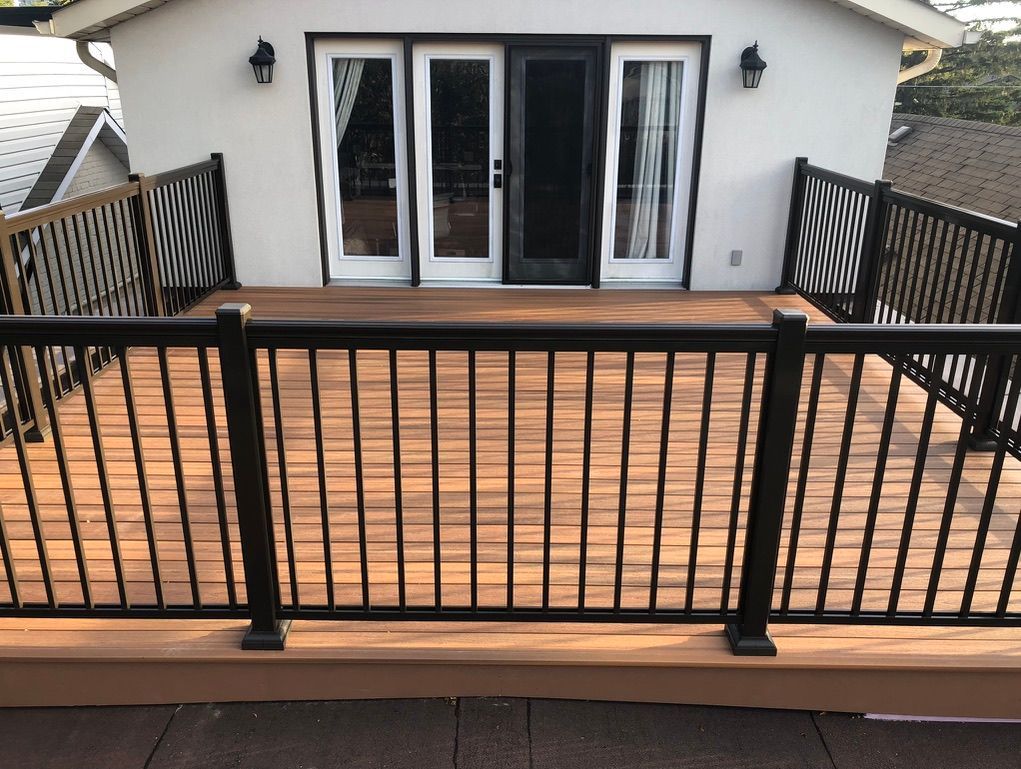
[919, 671]
[717, 514]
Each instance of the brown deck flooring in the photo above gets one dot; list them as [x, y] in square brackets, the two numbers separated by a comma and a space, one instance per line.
[903, 654]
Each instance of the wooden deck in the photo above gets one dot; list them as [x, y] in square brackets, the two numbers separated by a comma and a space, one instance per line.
[942, 671]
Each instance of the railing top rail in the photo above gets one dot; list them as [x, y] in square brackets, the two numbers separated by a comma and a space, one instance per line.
[179, 174]
[502, 336]
[34, 217]
[843, 180]
[52, 330]
[999, 227]
[960, 216]
[914, 339]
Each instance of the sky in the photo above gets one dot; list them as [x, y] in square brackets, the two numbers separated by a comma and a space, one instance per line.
[991, 11]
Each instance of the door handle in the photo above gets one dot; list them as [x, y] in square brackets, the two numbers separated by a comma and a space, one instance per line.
[497, 181]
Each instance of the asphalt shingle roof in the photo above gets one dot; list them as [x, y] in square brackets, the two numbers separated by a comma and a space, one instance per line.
[960, 162]
[67, 149]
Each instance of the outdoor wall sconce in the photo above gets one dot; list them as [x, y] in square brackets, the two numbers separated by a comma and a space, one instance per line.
[752, 66]
[262, 62]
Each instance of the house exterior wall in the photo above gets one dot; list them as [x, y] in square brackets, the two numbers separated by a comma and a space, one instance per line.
[100, 168]
[42, 84]
[827, 93]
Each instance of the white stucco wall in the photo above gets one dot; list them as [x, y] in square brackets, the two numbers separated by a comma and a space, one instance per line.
[188, 90]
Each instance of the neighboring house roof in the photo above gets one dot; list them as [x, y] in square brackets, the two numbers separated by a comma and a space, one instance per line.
[42, 84]
[961, 162]
[89, 125]
[92, 19]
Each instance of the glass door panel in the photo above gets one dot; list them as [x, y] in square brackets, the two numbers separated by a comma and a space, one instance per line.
[459, 116]
[648, 163]
[364, 158]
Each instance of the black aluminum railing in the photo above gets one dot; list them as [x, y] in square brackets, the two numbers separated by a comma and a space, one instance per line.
[867, 253]
[151, 247]
[501, 472]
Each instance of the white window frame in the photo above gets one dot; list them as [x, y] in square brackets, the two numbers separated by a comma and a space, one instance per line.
[434, 268]
[671, 269]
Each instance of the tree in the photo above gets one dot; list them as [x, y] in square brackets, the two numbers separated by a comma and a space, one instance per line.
[976, 82]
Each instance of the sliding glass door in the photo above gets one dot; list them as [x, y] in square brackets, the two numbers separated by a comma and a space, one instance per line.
[648, 163]
[459, 128]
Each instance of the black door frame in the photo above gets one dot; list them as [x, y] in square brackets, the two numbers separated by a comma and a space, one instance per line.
[592, 246]
[604, 42]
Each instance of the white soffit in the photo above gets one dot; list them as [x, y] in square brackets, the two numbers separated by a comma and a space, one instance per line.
[916, 19]
[92, 19]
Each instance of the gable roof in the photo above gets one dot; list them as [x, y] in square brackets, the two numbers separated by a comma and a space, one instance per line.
[92, 19]
[961, 162]
[89, 125]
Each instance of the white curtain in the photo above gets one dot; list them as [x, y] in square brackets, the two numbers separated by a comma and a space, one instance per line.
[347, 74]
[655, 160]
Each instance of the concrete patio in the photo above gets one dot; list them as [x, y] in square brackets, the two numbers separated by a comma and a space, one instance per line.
[487, 733]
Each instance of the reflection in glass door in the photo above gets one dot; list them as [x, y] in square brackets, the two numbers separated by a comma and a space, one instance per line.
[458, 110]
[366, 156]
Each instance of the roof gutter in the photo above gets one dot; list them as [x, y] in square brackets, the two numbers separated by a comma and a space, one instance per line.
[917, 20]
[92, 19]
[46, 28]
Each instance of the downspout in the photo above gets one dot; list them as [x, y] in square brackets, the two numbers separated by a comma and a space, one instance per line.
[45, 28]
[926, 65]
[90, 61]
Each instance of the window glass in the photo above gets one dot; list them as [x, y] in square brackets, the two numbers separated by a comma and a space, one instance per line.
[459, 132]
[363, 112]
[650, 114]
[554, 157]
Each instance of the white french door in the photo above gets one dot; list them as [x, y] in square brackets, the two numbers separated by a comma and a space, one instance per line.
[649, 154]
[364, 158]
[459, 98]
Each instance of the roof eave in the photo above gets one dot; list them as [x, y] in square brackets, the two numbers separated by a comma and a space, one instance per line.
[92, 19]
[920, 22]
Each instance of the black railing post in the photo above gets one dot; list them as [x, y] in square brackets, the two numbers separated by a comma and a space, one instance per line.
[994, 384]
[223, 214]
[870, 260]
[797, 210]
[775, 442]
[27, 376]
[148, 259]
[240, 398]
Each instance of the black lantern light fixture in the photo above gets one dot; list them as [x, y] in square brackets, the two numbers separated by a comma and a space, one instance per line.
[262, 62]
[752, 66]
